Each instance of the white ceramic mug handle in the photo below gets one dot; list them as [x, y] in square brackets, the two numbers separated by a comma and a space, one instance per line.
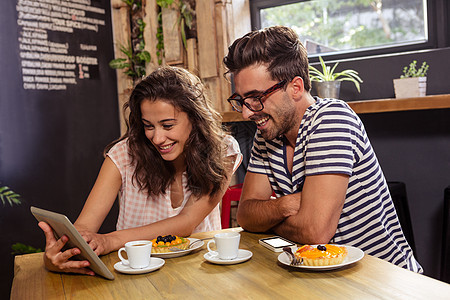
[213, 253]
[124, 261]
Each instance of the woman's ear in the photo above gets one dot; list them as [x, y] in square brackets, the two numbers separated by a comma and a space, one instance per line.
[298, 87]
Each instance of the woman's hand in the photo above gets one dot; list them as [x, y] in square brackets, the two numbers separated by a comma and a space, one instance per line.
[58, 261]
[100, 243]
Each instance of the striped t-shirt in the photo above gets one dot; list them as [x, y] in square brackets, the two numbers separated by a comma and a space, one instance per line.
[332, 140]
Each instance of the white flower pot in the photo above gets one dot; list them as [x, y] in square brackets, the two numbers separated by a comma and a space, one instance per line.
[410, 87]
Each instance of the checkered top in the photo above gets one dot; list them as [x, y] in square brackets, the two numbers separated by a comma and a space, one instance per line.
[137, 208]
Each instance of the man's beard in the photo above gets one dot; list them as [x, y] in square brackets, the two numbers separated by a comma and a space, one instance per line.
[287, 119]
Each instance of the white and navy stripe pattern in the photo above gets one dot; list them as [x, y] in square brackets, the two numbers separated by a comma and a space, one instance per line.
[332, 140]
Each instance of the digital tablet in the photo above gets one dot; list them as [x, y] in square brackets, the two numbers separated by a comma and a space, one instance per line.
[61, 225]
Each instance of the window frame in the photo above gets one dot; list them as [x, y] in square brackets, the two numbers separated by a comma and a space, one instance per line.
[438, 12]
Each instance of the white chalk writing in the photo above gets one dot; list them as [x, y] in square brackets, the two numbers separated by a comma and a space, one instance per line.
[48, 64]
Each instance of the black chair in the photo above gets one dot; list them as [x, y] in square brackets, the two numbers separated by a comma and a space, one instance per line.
[398, 194]
[445, 253]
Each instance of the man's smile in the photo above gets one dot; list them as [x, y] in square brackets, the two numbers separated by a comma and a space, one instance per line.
[262, 121]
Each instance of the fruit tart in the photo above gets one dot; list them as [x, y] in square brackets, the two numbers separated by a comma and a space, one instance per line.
[164, 244]
[321, 255]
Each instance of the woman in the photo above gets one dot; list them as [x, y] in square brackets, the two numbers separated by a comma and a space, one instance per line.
[170, 169]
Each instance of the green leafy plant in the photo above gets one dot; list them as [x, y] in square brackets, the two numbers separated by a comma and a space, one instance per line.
[19, 248]
[130, 3]
[328, 74]
[136, 57]
[160, 39]
[164, 3]
[412, 71]
[9, 196]
[185, 20]
[134, 64]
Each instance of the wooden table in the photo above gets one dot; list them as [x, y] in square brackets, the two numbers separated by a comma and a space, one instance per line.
[262, 277]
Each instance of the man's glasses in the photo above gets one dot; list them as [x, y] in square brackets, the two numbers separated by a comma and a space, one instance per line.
[253, 103]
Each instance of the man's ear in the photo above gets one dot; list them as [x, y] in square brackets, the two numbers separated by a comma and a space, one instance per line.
[298, 87]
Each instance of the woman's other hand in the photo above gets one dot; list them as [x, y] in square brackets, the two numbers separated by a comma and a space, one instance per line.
[100, 243]
[58, 261]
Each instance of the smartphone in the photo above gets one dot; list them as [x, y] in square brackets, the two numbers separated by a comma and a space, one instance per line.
[276, 243]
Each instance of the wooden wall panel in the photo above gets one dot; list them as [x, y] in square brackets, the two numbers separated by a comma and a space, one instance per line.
[213, 87]
[241, 19]
[222, 10]
[121, 32]
[173, 45]
[151, 27]
[218, 23]
[192, 57]
[206, 38]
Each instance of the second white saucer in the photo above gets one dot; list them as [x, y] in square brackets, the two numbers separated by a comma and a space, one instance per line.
[155, 264]
[243, 255]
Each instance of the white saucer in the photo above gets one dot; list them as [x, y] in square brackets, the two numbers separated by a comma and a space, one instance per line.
[155, 264]
[243, 255]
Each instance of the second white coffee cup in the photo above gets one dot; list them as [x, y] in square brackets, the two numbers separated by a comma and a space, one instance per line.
[227, 244]
[138, 253]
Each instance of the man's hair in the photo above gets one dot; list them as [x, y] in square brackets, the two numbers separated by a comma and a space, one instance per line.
[277, 47]
[204, 150]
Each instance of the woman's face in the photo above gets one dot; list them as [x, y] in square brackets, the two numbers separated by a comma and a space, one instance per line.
[167, 128]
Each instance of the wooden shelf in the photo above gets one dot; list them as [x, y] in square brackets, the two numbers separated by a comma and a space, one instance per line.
[378, 105]
[387, 105]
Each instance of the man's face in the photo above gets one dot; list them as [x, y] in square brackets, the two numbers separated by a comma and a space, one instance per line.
[279, 113]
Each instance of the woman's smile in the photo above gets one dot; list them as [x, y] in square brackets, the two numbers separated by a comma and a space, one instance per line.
[166, 148]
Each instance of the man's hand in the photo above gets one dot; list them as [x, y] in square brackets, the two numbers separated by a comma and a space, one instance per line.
[289, 205]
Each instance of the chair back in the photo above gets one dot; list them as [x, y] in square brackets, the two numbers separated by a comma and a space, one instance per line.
[445, 253]
[233, 193]
[398, 194]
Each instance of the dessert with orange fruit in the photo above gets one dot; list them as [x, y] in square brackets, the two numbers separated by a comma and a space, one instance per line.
[322, 255]
[163, 244]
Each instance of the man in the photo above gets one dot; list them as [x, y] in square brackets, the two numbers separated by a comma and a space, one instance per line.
[313, 153]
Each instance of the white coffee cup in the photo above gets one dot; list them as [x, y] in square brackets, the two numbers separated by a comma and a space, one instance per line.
[227, 244]
[138, 253]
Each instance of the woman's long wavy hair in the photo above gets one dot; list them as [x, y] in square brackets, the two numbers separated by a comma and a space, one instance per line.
[204, 150]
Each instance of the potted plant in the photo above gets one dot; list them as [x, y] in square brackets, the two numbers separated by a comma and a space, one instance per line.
[328, 82]
[413, 82]
[8, 196]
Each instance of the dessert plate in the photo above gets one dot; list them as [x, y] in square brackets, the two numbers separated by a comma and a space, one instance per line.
[354, 255]
[155, 264]
[243, 255]
[181, 252]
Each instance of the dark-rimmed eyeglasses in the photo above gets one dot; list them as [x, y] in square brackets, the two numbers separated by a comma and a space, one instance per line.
[253, 102]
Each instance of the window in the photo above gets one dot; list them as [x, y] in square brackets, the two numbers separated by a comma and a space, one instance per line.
[345, 26]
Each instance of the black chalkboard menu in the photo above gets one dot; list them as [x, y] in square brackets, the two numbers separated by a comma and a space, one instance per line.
[58, 109]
